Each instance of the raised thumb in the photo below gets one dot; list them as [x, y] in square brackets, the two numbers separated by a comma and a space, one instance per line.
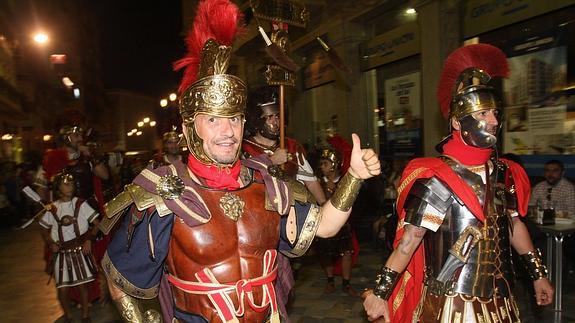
[356, 144]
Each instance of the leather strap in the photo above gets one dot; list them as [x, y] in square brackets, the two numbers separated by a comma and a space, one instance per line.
[208, 285]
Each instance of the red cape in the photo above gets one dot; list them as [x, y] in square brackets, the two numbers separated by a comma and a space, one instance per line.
[407, 292]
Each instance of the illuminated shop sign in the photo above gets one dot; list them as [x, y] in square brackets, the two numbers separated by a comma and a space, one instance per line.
[486, 15]
[391, 46]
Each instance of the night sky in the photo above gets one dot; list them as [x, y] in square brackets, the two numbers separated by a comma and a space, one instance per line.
[139, 42]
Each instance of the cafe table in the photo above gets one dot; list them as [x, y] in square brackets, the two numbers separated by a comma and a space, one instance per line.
[555, 234]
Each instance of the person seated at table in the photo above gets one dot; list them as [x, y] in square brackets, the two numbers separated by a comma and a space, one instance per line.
[558, 192]
[555, 191]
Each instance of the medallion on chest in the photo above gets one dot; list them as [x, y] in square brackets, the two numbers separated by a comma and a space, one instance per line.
[232, 206]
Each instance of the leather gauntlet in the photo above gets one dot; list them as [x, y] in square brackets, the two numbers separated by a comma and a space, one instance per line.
[385, 282]
[534, 264]
[346, 192]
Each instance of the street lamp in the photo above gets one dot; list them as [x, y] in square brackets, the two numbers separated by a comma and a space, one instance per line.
[173, 97]
[140, 123]
[152, 123]
[163, 103]
[40, 38]
[67, 82]
[146, 120]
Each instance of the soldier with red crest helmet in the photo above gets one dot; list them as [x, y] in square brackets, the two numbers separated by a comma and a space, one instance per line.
[459, 213]
[75, 158]
[207, 230]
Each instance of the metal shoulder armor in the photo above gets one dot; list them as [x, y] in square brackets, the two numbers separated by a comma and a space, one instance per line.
[424, 192]
[299, 192]
[132, 194]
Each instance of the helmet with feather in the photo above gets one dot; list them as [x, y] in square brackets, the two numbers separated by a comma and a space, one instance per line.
[465, 87]
[205, 87]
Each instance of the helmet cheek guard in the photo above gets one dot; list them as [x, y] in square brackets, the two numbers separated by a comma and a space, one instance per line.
[474, 131]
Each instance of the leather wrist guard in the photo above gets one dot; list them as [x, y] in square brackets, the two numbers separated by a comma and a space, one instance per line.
[385, 282]
[534, 264]
[346, 192]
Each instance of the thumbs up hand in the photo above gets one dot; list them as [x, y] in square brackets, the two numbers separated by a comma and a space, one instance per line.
[364, 163]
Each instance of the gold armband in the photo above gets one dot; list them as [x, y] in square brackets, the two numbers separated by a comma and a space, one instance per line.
[385, 282]
[130, 309]
[346, 192]
[534, 264]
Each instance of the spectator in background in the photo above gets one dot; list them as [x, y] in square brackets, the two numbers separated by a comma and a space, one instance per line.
[556, 190]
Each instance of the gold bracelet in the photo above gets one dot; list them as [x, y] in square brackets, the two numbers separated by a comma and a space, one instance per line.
[346, 192]
[385, 282]
[534, 264]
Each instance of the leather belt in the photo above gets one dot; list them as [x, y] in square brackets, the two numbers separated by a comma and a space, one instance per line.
[208, 285]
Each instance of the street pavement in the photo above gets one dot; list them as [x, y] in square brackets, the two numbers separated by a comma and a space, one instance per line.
[26, 297]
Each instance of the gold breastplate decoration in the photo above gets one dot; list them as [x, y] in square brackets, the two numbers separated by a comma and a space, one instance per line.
[232, 206]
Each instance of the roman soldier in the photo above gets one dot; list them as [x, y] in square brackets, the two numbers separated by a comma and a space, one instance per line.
[460, 213]
[171, 150]
[88, 170]
[262, 137]
[209, 229]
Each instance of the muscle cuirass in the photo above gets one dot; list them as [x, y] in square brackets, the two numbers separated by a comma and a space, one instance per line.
[489, 264]
[232, 250]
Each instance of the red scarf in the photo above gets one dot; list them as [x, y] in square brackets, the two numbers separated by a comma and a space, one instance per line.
[224, 178]
[464, 153]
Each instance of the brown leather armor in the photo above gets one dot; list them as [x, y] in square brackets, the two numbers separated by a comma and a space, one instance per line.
[232, 250]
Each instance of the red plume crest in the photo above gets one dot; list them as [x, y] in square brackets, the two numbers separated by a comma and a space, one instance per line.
[215, 19]
[486, 57]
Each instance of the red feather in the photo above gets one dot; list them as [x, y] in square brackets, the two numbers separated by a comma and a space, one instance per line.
[54, 161]
[215, 19]
[483, 56]
[344, 149]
